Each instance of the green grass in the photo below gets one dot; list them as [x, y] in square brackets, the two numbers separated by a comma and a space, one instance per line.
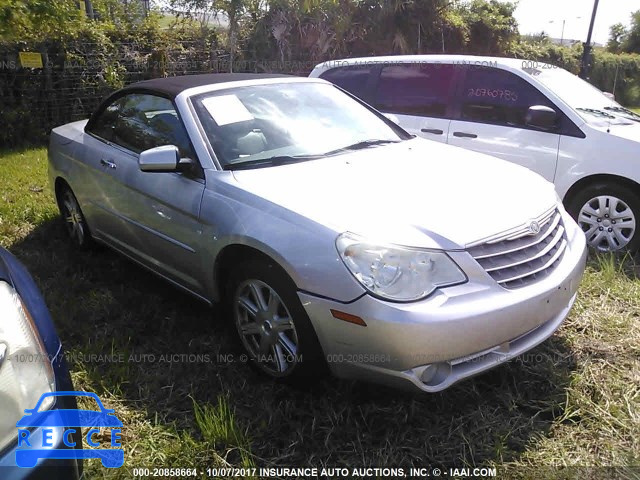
[637, 110]
[219, 427]
[573, 401]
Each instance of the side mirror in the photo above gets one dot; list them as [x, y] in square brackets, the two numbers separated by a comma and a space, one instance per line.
[392, 117]
[160, 159]
[541, 117]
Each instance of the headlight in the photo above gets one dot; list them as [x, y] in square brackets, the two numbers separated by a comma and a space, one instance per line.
[397, 273]
[25, 369]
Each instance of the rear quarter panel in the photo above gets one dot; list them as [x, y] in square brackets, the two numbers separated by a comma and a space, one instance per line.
[72, 160]
[63, 148]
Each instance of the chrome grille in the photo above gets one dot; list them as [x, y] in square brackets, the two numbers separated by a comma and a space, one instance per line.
[519, 258]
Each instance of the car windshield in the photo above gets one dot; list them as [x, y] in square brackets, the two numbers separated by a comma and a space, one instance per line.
[590, 103]
[273, 124]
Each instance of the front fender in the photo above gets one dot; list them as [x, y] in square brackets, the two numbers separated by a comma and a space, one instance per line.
[303, 248]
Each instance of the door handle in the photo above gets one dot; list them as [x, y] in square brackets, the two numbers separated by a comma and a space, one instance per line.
[464, 135]
[107, 163]
[434, 131]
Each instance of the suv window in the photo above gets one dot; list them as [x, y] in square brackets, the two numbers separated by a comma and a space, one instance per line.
[139, 122]
[491, 95]
[415, 89]
[353, 79]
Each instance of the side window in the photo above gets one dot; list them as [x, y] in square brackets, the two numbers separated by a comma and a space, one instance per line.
[147, 121]
[415, 89]
[352, 79]
[491, 95]
[105, 123]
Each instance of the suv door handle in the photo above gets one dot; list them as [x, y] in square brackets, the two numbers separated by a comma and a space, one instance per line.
[464, 135]
[434, 131]
[107, 163]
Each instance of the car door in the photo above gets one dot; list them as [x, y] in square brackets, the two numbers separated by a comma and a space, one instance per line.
[420, 95]
[491, 110]
[99, 187]
[154, 215]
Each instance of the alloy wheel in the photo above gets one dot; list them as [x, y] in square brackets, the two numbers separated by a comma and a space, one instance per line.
[608, 222]
[266, 328]
[73, 218]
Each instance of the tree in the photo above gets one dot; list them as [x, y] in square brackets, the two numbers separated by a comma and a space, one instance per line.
[232, 9]
[491, 25]
[37, 19]
[542, 37]
[407, 26]
[119, 12]
[631, 42]
[617, 34]
[311, 30]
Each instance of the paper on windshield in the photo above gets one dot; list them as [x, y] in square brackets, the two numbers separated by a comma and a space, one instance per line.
[226, 109]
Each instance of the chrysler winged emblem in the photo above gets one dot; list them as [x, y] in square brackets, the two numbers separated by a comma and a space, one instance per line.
[534, 227]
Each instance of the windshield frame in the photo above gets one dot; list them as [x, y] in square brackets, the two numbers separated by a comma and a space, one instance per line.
[198, 96]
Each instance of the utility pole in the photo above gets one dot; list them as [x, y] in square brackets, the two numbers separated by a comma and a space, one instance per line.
[586, 56]
[88, 5]
[564, 24]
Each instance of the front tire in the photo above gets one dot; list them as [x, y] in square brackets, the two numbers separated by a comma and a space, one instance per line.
[608, 215]
[273, 327]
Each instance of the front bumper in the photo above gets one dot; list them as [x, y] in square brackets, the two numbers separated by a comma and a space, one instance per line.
[69, 469]
[14, 272]
[46, 468]
[456, 333]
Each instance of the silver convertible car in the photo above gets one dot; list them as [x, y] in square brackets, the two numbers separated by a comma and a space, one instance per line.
[333, 237]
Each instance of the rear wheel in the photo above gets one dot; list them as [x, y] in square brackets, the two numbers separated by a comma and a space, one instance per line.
[608, 215]
[273, 327]
[73, 218]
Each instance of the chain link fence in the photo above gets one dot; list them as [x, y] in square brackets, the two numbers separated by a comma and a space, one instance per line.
[70, 84]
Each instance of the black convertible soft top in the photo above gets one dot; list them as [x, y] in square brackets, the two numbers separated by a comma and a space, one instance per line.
[173, 86]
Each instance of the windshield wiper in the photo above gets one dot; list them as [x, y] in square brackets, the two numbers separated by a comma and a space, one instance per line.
[288, 159]
[624, 111]
[361, 145]
[271, 161]
[597, 113]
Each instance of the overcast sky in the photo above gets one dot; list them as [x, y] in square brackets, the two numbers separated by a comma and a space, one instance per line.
[534, 16]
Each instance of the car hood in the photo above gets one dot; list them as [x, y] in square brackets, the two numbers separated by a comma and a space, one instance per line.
[628, 132]
[418, 193]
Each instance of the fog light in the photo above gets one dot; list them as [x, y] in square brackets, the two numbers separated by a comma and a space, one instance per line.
[436, 373]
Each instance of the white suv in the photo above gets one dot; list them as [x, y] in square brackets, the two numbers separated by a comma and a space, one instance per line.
[533, 114]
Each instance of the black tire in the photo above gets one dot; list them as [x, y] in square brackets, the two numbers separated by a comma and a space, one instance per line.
[627, 198]
[74, 221]
[309, 360]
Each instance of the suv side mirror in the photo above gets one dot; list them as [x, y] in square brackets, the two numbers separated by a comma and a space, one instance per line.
[160, 159]
[541, 117]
